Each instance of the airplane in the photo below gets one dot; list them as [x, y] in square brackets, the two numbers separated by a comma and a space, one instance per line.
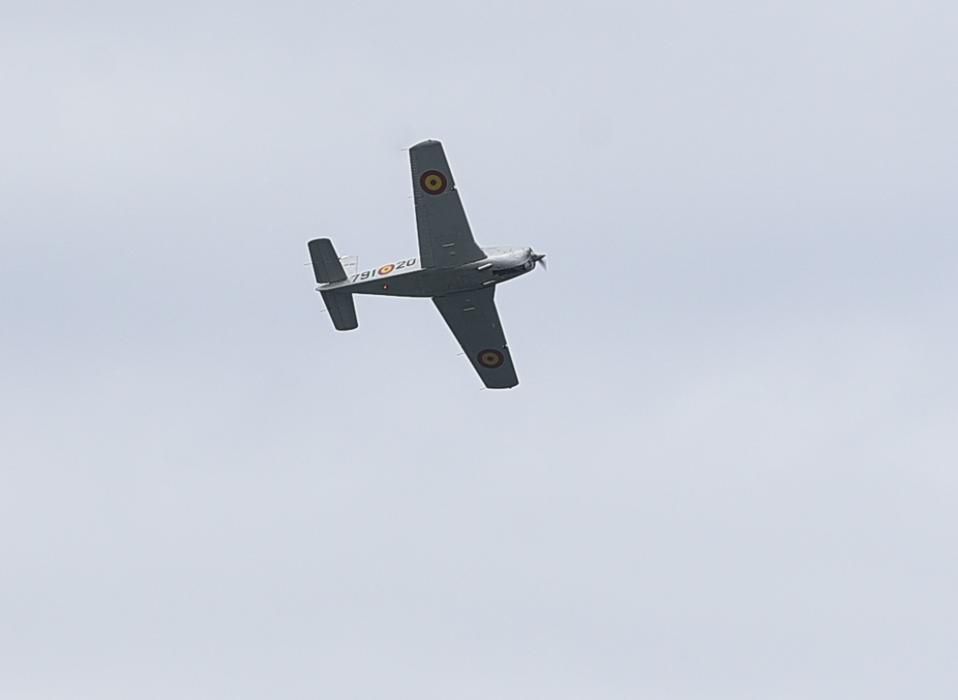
[459, 275]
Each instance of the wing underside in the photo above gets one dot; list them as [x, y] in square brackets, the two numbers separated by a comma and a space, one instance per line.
[445, 239]
[473, 319]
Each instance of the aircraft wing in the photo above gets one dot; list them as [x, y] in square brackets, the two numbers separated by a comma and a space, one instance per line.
[445, 239]
[473, 319]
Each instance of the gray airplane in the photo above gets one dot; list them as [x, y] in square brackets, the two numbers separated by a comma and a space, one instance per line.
[460, 276]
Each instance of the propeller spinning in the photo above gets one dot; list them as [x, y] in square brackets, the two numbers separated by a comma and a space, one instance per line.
[540, 258]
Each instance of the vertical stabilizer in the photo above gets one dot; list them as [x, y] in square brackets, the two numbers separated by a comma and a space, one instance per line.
[350, 264]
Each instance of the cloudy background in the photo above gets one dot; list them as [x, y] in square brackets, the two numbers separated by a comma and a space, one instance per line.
[729, 470]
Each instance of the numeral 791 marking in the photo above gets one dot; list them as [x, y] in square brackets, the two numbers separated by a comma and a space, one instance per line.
[369, 274]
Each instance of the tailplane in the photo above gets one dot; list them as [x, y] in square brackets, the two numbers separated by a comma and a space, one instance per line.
[342, 309]
[328, 268]
[326, 265]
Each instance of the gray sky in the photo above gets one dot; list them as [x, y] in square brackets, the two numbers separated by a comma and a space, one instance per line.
[729, 470]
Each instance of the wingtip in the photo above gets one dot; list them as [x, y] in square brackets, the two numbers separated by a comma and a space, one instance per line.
[426, 144]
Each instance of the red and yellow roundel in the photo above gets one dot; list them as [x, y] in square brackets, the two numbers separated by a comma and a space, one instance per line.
[386, 269]
[491, 358]
[433, 182]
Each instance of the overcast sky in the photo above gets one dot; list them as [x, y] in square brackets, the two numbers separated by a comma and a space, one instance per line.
[730, 469]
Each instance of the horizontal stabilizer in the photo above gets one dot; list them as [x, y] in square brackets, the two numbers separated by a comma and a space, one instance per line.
[341, 309]
[326, 265]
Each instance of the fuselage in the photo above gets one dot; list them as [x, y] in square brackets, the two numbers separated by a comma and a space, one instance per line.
[407, 278]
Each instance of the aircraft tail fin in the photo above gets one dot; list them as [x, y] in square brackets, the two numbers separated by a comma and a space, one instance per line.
[342, 309]
[350, 264]
[326, 265]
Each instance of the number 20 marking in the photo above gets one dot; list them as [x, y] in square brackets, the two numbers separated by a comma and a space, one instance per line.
[369, 274]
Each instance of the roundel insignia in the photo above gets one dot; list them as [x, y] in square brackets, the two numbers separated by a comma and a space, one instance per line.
[491, 358]
[386, 269]
[433, 182]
